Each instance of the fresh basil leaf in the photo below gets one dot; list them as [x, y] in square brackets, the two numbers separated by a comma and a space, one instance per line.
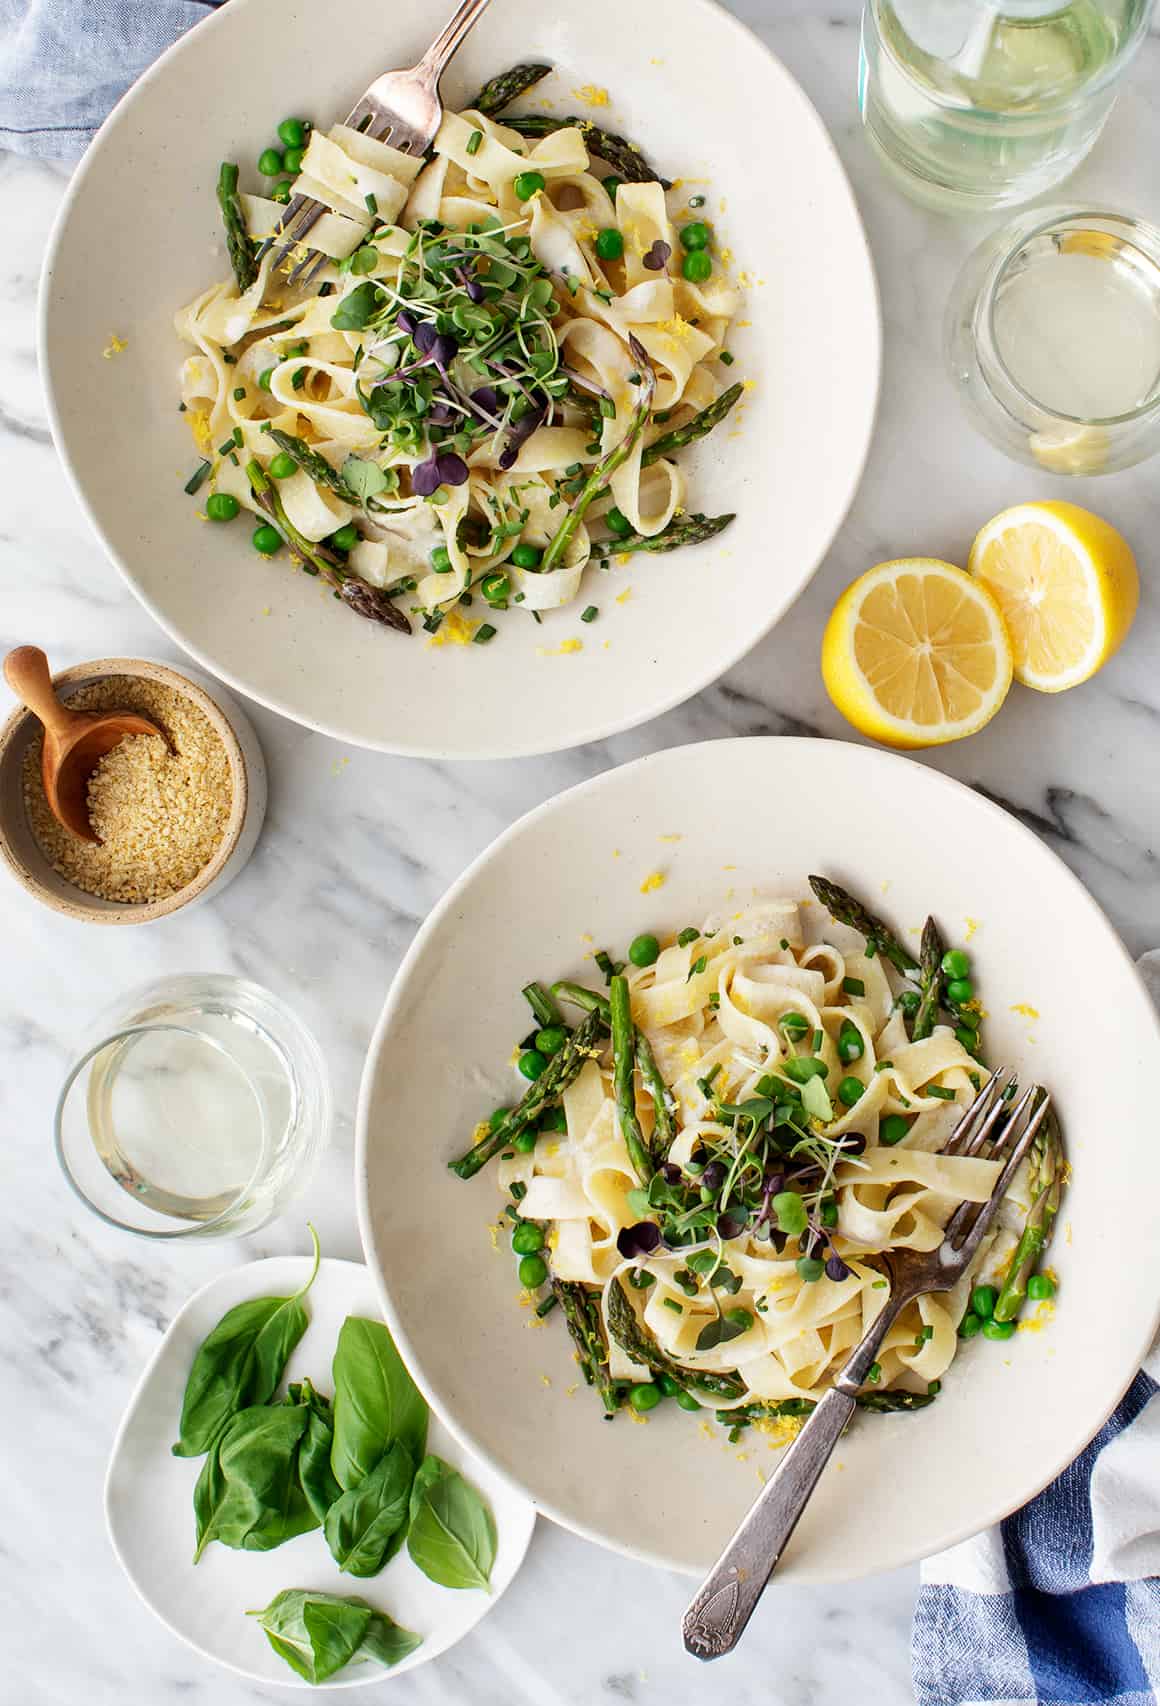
[387, 1642]
[364, 479]
[248, 1495]
[240, 1363]
[375, 1402]
[316, 1633]
[452, 1534]
[361, 1524]
[359, 308]
[314, 1470]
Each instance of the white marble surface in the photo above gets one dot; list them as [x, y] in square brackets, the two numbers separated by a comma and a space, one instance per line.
[357, 848]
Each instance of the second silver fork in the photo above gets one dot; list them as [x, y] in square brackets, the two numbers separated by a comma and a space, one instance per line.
[716, 1619]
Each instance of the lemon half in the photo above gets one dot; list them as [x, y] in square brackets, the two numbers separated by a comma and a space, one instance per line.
[916, 654]
[1067, 585]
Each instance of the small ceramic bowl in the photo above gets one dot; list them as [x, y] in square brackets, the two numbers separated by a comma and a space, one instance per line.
[30, 867]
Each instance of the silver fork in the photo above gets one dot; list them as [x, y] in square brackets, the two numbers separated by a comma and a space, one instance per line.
[400, 107]
[716, 1619]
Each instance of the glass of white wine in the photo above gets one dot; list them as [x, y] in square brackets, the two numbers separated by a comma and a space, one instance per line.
[1052, 337]
[197, 1107]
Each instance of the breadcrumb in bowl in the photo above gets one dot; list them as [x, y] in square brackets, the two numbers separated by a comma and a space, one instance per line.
[207, 798]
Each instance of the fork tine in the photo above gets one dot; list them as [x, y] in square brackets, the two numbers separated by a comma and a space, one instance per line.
[976, 1113]
[997, 1112]
[973, 1229]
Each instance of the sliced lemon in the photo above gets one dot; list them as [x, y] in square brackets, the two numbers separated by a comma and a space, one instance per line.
[1067, 585]
[915, 653]
[1078, 450]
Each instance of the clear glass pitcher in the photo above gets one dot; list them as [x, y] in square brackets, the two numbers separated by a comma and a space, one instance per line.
[973, 105]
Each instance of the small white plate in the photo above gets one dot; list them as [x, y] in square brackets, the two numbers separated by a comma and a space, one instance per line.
[149, 1499]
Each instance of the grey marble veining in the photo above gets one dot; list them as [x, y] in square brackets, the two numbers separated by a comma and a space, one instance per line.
[81, 1309]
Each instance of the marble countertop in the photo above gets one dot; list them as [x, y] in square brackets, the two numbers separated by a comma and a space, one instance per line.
[81, 1308]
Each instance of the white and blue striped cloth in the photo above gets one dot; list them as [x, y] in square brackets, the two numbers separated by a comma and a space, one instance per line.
[65, 63]
[1059, 1605]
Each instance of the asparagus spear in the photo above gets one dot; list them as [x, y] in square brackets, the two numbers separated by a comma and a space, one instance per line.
[582, 1313]
[686, 530]
[499, 92]
[843, 907]
[541, 1004]
[624, 1077]
[883, 1403]
[315, 465]
[623, 156]
[1046, 1180]
[692, 430]
[237, 238]
[635, 1341]
[364, 599]
[931, 980]
[543, 1094]
[650, 1072]
[603, 470]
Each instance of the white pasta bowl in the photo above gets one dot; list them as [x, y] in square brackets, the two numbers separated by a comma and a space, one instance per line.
[139, 237]
[721, 823]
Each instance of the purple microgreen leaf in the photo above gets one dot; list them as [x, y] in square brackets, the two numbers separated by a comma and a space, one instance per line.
[658, 256]
[836, 1268]
[639, 1240]
[732, 1223]
[425, 478]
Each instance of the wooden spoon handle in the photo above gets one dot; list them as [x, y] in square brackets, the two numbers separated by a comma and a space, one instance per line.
[27, 673]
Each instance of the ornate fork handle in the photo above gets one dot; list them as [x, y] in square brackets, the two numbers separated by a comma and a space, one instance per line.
[437, 57]
[716, 1619]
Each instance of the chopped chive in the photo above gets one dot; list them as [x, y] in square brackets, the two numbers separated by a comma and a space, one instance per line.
[874, 1374]
[705, 1085]
[230, 360]
[927, 1333]
[686, 936]
[590, 614]
[879, 1285]
[547, 1306]
[726, 359]
[239, 393]
[853, 986]
[224, 449]
[671, 1303]
[697, 967]
[198, 478]
[940, 1092]
[519, 1190]
[298, 378]
[483, 634]
[372, 204]
[474, 141]
[933, 1388]
[871, 948]
[783, 944]
[696, 201]
[883, 1065]
[714, 1001]
[326, 289]
[819, 1039]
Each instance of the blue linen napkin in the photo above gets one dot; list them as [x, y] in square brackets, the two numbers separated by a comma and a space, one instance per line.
[1059, 1605]
[65, 63]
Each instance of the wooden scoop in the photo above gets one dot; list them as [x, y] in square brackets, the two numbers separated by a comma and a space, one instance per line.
[74, 741]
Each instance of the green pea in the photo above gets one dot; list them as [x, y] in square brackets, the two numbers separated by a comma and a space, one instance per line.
[801, 1068]
[967, 1038]
[688, 1402]
[527, 556]
[533, 1271]
[441, 560]
[346, 538]
[222, 506]
[554, 1120]
[281, 190]
[292, 132]
[265, 377]
[809, 1269]
[893, 1129]
[970, 1325]
[646, 1396]
[532, 1063]
[998, 1329]
[697, 235]
[618, 523]
[551, 1040]
[956, 964]
[644, 950]
[527, 1240]
[850, 1044]
[612, 184]
[525, 1141]
[609, 244]
[1040, 1288]
[496, 1118]
[292, 160]
[270, 163]
[983, 1301]
[670, 1387]
[267, 540]
[850, 1091]
[527, 184]
[495, 587]
[960, 990]
[283, 466]
[697, 266]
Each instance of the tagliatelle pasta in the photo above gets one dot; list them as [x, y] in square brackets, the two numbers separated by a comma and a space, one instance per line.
[717, 1230]
[483, 369]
